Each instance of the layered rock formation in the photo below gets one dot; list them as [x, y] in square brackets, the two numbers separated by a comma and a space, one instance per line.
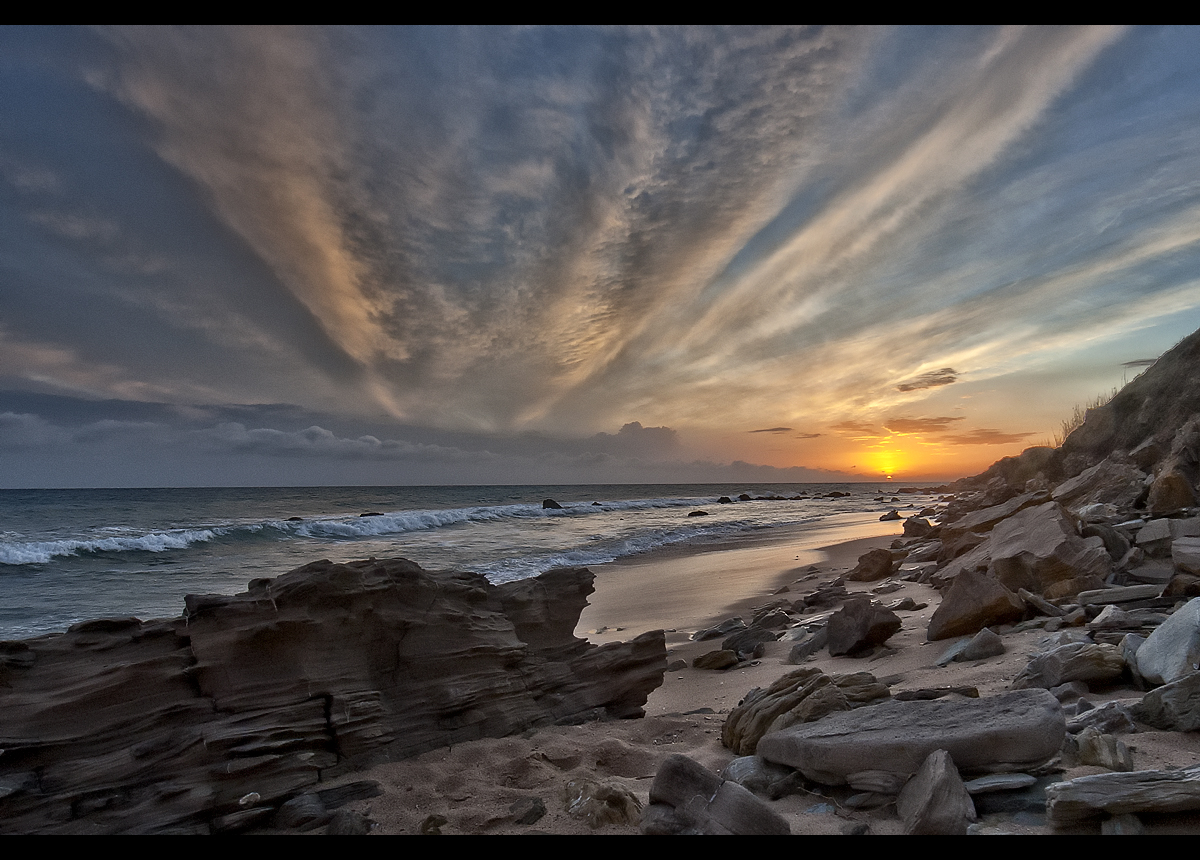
[212, 720]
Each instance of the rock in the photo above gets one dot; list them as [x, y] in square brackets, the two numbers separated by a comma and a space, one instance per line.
[1138, 792]
[1171, 491]
[1012, 731]
[1174, 707]
[1173, 650]
[551, 505]
[890, 516]
[302, 813]
[697, 513]
[723, 629]
[874, 565]
[1038, 549]
[259, 692]
[934, 802]
[917, 527]
[1108, 481]
[1119, 594]
[527, 810]
[1040, 604]
[1097, 749]
[601, 803]
[984, 519]
[716, 660]
[1077, 661]
[746, 641]
[974, 601]
[859, 626]
[762, 777]
[807, 647]
[346, 822]
[1111, 718]
[1185, 554]
[687, 799]
[984, 644]
[800, 696]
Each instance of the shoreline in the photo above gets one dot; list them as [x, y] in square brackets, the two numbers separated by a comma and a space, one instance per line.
[696, 585]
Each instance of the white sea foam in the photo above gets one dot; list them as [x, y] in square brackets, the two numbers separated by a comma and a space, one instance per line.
[41, 552]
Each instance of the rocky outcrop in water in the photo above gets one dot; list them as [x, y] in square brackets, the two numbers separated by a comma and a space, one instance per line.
[211, 721]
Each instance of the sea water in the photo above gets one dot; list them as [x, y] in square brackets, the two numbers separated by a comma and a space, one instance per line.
[72, 555]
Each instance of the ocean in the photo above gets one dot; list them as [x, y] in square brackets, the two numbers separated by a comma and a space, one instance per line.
[72, 555]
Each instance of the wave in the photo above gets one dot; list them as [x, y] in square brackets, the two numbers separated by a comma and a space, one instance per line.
[40, 552]
[320, 528]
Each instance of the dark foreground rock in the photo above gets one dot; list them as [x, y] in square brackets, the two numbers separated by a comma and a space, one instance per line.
[687, 799]
[215, 719]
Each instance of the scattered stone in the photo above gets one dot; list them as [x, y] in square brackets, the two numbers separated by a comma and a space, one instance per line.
[891, 515]
[934, 802]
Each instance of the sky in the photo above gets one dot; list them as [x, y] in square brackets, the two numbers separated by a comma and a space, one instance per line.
[280, 256]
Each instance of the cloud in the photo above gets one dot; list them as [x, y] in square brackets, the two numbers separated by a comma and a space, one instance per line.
[987, 437]
[857, 429]
[921, 425]
[1139, 362]
[808, 435]
[931, 379]
[318, 442]
[635, 440]
[772, 430]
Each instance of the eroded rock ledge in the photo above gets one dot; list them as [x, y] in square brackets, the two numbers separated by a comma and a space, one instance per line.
[211, 720]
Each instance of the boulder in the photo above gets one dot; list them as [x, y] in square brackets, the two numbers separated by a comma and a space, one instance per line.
[874, 565]
[1173, 650]
[974, 601]
[1012, 731]
[859, 626]
[1110, 480]
[1038, 549]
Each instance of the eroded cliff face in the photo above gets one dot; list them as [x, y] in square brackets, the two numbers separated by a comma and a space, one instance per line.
[210, 721]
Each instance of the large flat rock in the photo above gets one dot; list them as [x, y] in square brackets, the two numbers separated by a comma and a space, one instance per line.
[1011, 731]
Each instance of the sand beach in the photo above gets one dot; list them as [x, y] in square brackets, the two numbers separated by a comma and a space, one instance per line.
[481, 786]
